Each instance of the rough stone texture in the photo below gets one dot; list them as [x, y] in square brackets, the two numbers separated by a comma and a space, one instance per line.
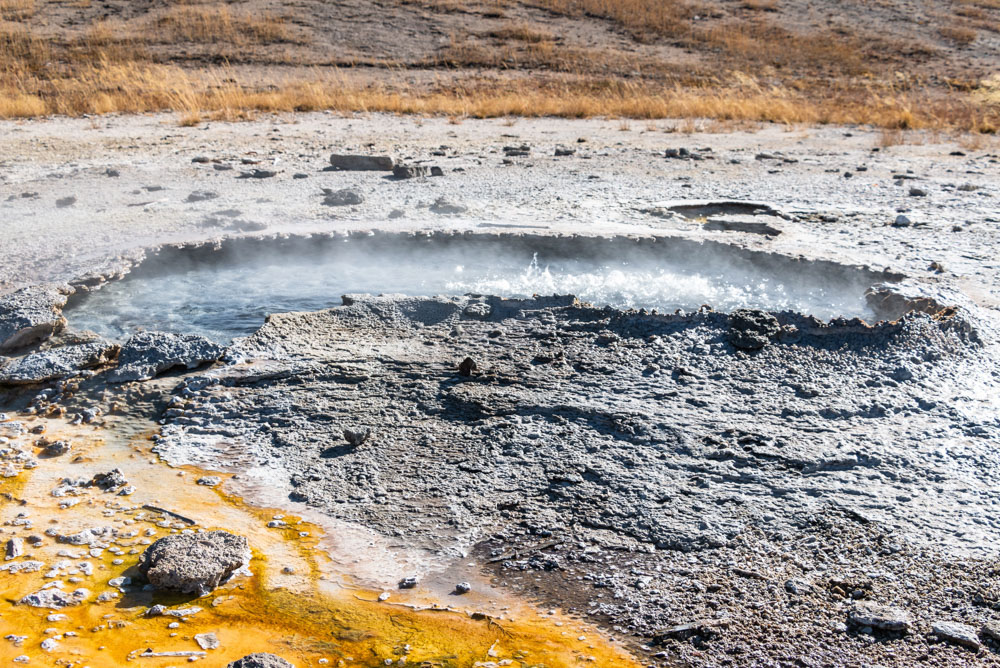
[883, 618]
[751, 329]
[31, 314]
[415, 171]
[55, 598]
[194, 563]
[260, 660]
[362, 163]
[57, 363]
[148, 354]
[623, 439]
[956, 633]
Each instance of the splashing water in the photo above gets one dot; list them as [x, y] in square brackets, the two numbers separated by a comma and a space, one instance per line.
[223, 300]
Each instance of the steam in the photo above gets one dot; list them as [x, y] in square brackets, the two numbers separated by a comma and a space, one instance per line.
[229, 295]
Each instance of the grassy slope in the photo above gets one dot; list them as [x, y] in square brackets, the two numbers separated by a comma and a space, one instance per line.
[871, 61]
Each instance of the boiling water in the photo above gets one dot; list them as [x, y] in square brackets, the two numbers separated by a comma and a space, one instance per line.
[231, 298]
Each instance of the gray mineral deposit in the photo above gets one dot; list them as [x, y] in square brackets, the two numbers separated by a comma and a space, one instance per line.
[736, 404]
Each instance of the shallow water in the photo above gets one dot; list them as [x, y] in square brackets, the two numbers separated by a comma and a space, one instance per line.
[223, 300]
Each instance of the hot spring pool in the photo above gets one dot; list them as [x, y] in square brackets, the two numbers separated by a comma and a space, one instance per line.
[227, 293]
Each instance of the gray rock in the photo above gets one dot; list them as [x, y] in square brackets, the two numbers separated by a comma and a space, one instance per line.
[14, 548]
[113, 479]
[879, 617]
[209, 480]
[362, 163]
[194, 563]
[55, 598]
[956, 634]
[357, 438]
[148, 354]
[58, 363]
[751, 329]
[918, 192]
[64, 202]
[31, 314]
[414, 171]
[201, 196]
[258, 174]
[261, 660]
[207, 640]
[991, 629]
[345, 197]
[901, 221]
[56, 449]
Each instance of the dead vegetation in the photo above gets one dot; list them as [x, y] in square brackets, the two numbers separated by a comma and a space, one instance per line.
[506, 60]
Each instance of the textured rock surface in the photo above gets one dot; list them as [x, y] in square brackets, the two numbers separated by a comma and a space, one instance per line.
[31, 314]
[57, 363]
[879, 617]
[752, 330]
[148, 354]
[362, 163]
[260, 660]
[957, 634]
[194, 563]
[55, 598]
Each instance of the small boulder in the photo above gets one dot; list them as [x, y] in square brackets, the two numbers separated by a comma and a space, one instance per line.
[751, 329]
[414, 171]
[194, 563]
[879, 617]
[361, 163]
[956, 634]
[260, 660]
[148, 354]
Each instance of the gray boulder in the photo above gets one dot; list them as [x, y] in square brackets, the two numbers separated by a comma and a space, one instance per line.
[362, 163]
[956, 634]
[883, 618]
[194, 563]
[148, 354]
[260, 660]
[57, 363]
[31, 315]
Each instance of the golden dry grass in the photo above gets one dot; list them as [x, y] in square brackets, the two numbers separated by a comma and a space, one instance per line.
[108, 66]
[212, 24]
[16, 10]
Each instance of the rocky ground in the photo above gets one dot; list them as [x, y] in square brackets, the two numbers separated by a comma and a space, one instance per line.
[713, 488]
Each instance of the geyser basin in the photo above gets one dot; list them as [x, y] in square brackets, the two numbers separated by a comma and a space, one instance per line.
[225, 291]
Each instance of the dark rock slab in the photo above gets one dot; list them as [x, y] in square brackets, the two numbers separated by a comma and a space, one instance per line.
[361, 163]
[148, 354]
[750, 329]
[31, 315]
[194, 563]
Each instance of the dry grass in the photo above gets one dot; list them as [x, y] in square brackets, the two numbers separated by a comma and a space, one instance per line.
[523, 33]
[109, 66]
[959, 34]
[212, 24]
[16, 10]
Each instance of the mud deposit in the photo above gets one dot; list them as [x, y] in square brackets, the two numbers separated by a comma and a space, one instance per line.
[580, 418]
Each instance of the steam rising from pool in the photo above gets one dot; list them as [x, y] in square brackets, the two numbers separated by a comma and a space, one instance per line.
[229, 296]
